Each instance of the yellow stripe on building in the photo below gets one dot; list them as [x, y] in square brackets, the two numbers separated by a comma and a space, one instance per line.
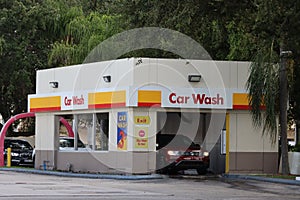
[149, 96]
[240, 101]
[107, 97]
[44, 104]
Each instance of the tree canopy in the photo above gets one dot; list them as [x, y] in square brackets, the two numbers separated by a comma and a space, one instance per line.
[24, 45]
[42, 34]
[80, 35]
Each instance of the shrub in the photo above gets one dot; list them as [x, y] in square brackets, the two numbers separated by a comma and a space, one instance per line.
[295, 148]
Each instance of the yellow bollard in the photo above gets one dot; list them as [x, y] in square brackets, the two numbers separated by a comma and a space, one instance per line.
[8, 164]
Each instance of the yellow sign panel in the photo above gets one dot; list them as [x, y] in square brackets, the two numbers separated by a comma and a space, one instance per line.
[141, 137]
[43, 104]
[148, 98]
[142, 120]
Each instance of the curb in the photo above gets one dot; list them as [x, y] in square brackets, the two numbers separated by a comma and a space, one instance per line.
[258, 178]
[83, 175]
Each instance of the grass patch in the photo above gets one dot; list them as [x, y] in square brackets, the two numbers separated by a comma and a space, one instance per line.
[290, 177]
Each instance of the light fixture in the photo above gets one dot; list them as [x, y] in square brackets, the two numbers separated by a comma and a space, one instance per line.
[194, 78]
[53, 84]
[107, 78]
[286, 53]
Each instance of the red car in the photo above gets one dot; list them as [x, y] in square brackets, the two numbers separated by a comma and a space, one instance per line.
[178, 152]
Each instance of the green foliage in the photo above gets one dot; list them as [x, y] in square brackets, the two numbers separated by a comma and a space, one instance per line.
[197, 19]
[263, 87]
[2, 43]
[291, 177]
[23, 49]
[62, 54]
[81, 34]
[240, 42]
[295, 148]
[41, 34]
[271, 28]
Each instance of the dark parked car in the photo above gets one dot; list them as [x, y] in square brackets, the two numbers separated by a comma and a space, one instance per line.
[65, 143]
[68, 143]
[178, 152]
[21, 151]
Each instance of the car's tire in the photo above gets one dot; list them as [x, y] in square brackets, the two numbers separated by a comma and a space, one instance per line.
[172, 172]
[161, 165]
[161, 171]
[201, 171]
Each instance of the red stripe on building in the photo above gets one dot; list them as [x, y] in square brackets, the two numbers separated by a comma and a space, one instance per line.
[45, 109]
[108, 105]
[245, 107]
[145, 104]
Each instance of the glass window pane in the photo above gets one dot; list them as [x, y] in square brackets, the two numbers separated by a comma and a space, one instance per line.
[102, 129]
[85, 130]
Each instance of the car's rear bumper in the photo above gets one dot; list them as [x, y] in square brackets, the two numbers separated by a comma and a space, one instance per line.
[188, 164]
[21, 161]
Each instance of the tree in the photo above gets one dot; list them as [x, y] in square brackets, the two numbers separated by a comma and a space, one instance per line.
[26, 36]
[22, 51]
[41, 34]
[29, 29]
[205, 21]
[233, 30]
[294, 44]
[267, 82]
[79, 34]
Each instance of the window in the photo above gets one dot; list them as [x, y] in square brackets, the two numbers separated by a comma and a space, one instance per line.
[85, 129]
[101, 138]
[91, 131]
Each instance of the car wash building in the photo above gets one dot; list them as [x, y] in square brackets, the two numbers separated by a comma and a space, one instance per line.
[117, 107]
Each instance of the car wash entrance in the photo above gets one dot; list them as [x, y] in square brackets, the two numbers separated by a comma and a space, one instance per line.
[182, 135]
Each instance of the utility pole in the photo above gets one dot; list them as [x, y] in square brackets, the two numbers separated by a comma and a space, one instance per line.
[283, 101]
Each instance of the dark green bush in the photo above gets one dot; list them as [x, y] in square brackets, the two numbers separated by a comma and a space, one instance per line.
[295, 148]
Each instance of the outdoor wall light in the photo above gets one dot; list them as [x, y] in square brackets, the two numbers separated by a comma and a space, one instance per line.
[107, 78]
[194, 78]
[53, 84]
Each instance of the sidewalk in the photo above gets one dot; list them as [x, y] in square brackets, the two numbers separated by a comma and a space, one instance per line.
[84, 175]
[260, 178]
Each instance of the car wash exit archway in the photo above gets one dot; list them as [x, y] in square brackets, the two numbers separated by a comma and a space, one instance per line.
[22, 116]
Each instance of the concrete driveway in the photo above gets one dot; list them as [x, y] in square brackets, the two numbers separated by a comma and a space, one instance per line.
[16, 185]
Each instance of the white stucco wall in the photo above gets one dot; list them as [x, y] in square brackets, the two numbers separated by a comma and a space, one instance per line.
[125, 72]
[85, 77]
[246, 138]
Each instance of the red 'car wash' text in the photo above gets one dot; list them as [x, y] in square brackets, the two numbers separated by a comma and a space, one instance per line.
[197, 99]
[75, 100]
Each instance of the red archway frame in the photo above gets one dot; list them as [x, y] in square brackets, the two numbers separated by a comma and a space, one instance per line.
[20, 116]
[68, 126]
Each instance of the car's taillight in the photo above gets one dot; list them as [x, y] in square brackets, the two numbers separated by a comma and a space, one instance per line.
[174, 153]
[15, 154]
[203, 153]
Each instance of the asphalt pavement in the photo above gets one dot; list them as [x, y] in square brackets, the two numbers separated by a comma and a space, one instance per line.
[145, 177]
[23, 184]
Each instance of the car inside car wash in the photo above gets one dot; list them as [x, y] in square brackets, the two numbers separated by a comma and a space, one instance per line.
[148, 115]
